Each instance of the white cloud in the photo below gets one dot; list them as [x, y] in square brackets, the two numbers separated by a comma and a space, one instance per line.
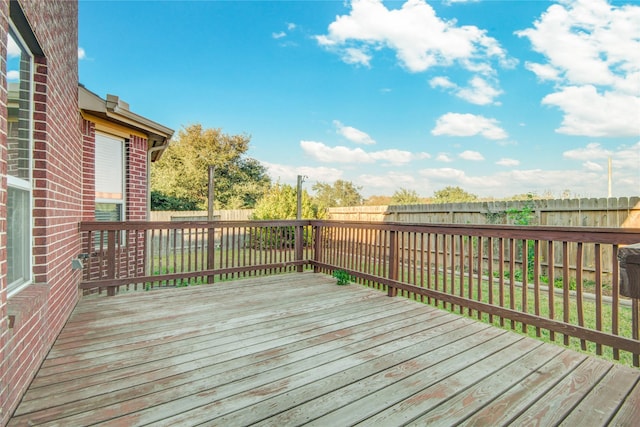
[356, 56]
[420, 39]
[596, 66]
[628, 159]
[471, 155]
[508, 162]
[442, 82]
[625, 160]
[590, 113]
[592, 151]
[455, 124]
[543, 71]
[291, 26]
[444, 157]
[388, 182]
[81, 53]
[289, 174]
[398, 157]
[592, 166]
[279, 35]
[340, 154]
[352, 134]
[479, 91]
[13, 75]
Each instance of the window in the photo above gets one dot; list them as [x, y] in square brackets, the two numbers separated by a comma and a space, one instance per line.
[19, 157]
[109, 169]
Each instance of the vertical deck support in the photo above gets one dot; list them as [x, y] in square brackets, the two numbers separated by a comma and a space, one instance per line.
[629, 257]
[299, 245]
[211, 249]
[317, 247]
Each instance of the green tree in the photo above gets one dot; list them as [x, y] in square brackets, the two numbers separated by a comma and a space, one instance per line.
[404, 196]
[162, 202]
[341, 193]
[281, 202]
[453, 195]
[182, 171]
[378, 201]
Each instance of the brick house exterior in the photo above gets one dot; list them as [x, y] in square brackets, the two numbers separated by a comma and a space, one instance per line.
[59, 183]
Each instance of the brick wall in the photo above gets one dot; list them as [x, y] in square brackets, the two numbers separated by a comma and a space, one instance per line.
[88, 130]
[40, 310]
[136, 179]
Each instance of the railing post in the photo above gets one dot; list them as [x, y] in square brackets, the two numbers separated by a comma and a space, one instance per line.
[299, 245]
[317, 246]
[393, 262]
[629, 257]
[211, 250]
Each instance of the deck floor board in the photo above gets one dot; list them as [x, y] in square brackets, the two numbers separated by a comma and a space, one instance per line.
[296, 349]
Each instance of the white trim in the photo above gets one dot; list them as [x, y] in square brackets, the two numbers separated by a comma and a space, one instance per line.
[123, 154]
[21, 184]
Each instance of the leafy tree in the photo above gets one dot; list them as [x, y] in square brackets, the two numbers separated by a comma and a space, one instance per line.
[182, 171]
[378, 201]
[453, 195]
[405, 197]
[341, 193]
[281, 202]
[162, 202]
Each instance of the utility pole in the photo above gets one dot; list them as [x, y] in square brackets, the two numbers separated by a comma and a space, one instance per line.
[211, 192]
[299, 198]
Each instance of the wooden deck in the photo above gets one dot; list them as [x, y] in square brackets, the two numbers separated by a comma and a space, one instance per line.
[296, 349]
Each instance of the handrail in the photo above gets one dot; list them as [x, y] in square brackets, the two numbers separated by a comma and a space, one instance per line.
[563, 282]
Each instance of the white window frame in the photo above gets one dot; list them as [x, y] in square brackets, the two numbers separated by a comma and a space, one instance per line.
[122, 202]
[20, 183]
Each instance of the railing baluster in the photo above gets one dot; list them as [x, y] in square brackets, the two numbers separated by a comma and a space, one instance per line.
[551, 285]
[536, 282]
[579, 291]
[512, 278]
[525, 280]
[615, 291]
[501, 276]
[480, 258]
[490, 274]
[565, 287]
[598, 292]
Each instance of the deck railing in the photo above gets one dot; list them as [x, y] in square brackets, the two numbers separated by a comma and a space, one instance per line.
[559, 283]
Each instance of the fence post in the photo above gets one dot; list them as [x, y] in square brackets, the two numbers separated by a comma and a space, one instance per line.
[393, 262]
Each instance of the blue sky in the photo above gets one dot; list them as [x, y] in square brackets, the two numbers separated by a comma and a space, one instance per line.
[496, 97]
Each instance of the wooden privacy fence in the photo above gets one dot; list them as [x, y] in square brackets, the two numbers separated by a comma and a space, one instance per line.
[533, 279]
